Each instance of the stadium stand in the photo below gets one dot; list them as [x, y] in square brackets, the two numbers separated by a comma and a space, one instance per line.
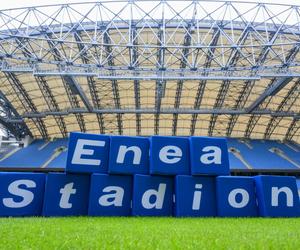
[268, 155]
[38, 154]
[6, 151]
[262, 154]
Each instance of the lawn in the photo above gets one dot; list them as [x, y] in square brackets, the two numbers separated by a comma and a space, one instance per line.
[149, 233]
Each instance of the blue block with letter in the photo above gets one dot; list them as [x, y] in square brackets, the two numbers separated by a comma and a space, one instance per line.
[209, 156]
[110, 195]
[21, 194]
[87, 153]
[152, 196]
[236, 196]
[277, 196]
[66, 194]
[169, 155]
[129, 155]
[195, 196]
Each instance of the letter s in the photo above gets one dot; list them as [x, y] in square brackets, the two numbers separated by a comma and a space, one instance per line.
[14, 188]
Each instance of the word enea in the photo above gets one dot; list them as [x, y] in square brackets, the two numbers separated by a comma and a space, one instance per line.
[156, 176]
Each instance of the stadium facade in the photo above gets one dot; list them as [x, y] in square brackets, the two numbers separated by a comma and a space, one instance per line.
[216, 68]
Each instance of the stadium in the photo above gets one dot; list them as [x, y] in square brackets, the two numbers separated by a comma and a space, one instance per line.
[224, 69]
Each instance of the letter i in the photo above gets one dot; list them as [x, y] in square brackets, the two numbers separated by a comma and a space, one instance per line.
[197, 197]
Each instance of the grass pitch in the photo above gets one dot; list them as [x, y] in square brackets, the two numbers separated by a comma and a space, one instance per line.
[149, 233]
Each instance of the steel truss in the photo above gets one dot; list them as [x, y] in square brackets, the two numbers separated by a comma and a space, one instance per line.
[112, 42]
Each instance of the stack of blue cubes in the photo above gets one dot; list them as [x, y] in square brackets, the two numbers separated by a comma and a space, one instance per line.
[164, 176]
[155, 176]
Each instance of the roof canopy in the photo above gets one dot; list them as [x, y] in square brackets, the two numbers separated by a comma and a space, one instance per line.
[151, 67]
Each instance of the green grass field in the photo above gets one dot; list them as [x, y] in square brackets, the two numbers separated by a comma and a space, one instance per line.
[148, 233]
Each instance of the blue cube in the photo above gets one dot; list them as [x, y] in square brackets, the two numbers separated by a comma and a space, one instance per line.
[236, 196]
[209, 156]
[87, 153]
[128, 155]
[21, 194]
[66, 194]
[195, 196]
[169, 155]
[152, 196]
[277, 196]
[110, 195]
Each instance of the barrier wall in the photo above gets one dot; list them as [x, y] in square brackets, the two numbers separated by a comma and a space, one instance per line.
[156, 176]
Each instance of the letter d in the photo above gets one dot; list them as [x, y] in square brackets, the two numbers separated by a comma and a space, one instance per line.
[159, 194]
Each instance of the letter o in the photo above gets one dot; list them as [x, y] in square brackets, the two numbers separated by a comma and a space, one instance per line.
[232, 198]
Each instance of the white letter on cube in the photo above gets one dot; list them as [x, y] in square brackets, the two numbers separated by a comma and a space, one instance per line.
[124, 149]
[287, 191]
[215, 155]
[14, 189]
[65, 195]
[232, 198]
[79, 151]
[160, 194]
[165, 152]
[117, 197]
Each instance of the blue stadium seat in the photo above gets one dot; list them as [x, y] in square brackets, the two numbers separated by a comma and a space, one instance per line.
[60, 160]
[262, 154]
[5, 150]
[36, 155]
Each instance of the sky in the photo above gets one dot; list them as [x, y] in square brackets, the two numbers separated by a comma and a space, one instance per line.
[27, 3]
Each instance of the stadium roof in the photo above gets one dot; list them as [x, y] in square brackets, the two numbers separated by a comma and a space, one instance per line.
[151, 67]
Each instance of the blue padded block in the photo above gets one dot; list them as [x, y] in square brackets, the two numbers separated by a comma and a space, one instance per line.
[66, 194]
[152, 196]
[209, 156]
[110, 195]
[236, 196]
[298, 187]
[134, 159]
[87, 153]
[21, 194]
[277, 196]
[169, 155]
[195, 196]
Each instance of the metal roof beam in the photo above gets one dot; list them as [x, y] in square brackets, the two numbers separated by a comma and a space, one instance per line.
[202, 83]
[293, 129]
[134, 55]
[163, 111]
[183, 65]
[91, 82]
[285, 105]
[72, 98]
[45, 89]
[8, 112]
[51, 103]
[232, 61]
[291, 55]
[114, 83]
[160, 85]
[26, 102]
[55, 26]
[76, 89]
[16, 129]
[270, 91]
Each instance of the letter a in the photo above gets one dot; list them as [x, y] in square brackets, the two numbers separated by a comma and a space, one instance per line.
[211, 157]
[113, 199]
